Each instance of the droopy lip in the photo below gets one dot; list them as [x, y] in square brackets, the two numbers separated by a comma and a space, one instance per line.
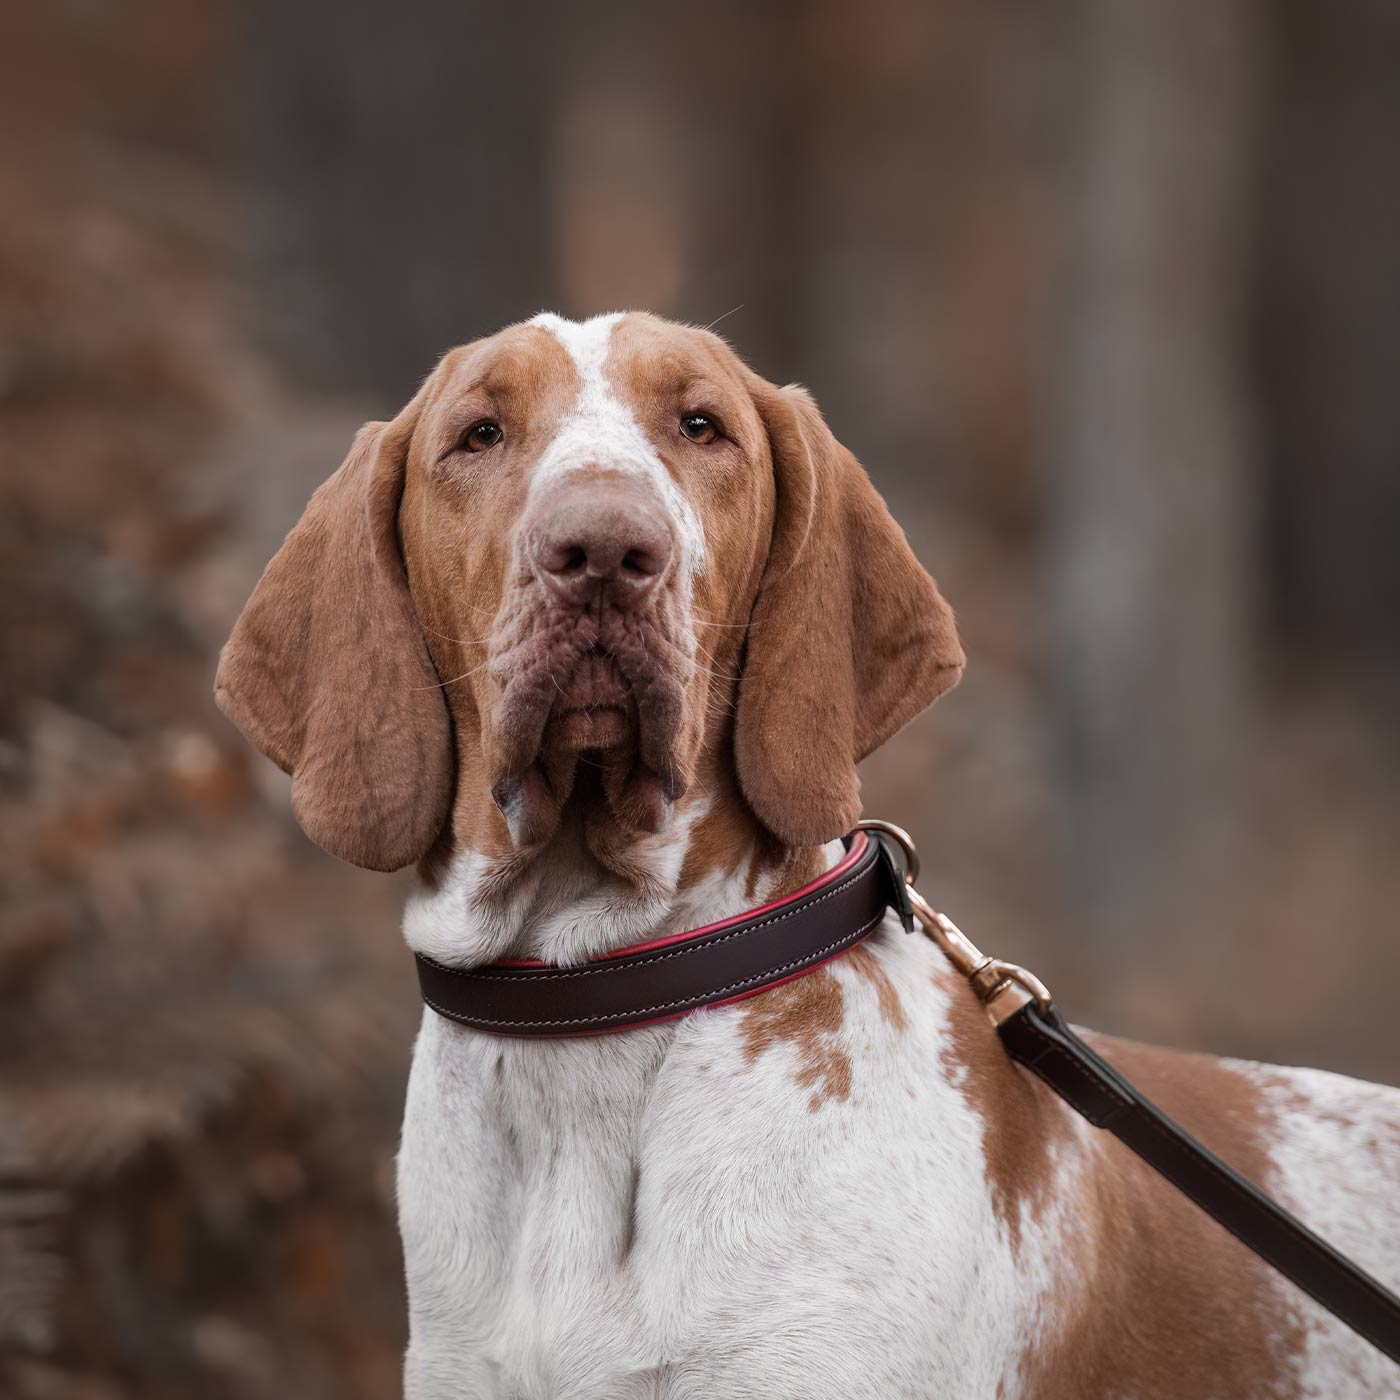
[609, 727]
[595, 682]
[591, 681]
[595, 709]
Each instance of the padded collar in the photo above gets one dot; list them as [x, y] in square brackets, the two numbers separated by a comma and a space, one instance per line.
[668, 977]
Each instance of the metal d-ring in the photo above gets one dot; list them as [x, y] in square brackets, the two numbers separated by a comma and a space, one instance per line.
[989, 976]
[905, 841]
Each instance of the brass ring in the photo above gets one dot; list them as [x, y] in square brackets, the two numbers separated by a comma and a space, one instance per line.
[906, 843]
[1027, 981]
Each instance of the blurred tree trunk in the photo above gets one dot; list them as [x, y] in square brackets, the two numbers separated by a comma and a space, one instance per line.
[399, 171]
[419, 187]
[1150, 548]
[676, 190]
[1330, 335]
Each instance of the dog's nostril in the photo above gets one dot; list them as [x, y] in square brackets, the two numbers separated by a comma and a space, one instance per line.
[565, 559]
[640, 563]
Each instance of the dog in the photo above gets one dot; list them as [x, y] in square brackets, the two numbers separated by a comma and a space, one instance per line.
[593, 634]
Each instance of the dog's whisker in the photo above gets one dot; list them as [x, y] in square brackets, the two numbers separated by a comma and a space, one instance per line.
[462, 641]
[725, 317]
[733, 626]
[709, 656]
[442, 685]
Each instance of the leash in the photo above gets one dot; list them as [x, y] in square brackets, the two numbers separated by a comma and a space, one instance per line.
[753, 952]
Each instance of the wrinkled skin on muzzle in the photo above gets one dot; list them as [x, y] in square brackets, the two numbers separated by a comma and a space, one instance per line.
[593, 649]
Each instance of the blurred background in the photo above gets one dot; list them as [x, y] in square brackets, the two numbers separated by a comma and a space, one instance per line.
[1106, 295]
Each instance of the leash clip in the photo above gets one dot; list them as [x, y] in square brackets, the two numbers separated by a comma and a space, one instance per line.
[989, 976]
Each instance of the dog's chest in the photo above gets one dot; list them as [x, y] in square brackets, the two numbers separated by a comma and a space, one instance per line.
[518, 1184]
[805, 1196]
[739, 1203]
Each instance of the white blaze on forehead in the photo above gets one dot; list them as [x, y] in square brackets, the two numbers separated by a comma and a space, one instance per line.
[600, 431]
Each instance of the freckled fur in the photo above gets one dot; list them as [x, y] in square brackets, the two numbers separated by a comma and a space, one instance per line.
[864, 963]
[807, 1016]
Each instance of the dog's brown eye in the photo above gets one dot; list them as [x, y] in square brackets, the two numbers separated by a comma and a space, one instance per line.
[482, 436]
[698, 428]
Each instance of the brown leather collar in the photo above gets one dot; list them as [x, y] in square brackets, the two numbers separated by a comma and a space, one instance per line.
[668, 977]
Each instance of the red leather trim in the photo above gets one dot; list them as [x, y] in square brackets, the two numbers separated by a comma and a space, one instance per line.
[663, 978]
[827, 877]
[857, 849]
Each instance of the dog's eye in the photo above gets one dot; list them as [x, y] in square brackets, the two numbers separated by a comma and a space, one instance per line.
[482, 436]
[699, 429]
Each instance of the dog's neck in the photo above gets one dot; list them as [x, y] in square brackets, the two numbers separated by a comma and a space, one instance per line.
[593, 888]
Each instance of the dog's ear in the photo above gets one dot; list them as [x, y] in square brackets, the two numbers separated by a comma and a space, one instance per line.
[849, 637]
[327, 671]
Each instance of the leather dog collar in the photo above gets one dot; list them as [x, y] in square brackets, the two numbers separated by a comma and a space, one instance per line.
[668, 977]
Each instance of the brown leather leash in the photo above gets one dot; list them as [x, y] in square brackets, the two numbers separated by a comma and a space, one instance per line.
[753, 952]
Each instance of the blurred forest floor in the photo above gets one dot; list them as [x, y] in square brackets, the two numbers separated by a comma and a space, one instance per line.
[204, 1022]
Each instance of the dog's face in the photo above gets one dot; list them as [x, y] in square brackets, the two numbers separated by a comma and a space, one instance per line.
[585, 515]
[584, 559]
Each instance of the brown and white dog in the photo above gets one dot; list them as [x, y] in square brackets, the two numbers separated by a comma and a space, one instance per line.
[594, 633]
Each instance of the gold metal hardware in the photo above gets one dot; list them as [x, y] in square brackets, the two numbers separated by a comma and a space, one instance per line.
[906, 843]
[992, 979]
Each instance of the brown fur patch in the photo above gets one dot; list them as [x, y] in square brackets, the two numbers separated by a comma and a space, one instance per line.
[1021, 1124]
[1157, 1300]
[865, 962]
[726, 835]
[729, 837]
[807, 1015]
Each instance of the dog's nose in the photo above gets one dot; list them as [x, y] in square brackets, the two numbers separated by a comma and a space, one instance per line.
[597, 539]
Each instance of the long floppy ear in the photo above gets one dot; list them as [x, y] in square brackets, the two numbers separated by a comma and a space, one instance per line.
[327, 671]
[849, 638]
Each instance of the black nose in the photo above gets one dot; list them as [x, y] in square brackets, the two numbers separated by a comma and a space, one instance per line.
[600, 537]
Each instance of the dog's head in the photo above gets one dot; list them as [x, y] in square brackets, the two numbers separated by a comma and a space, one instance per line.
[583, 558]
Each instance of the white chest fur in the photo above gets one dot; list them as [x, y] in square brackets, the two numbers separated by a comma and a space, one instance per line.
[670, 1212]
